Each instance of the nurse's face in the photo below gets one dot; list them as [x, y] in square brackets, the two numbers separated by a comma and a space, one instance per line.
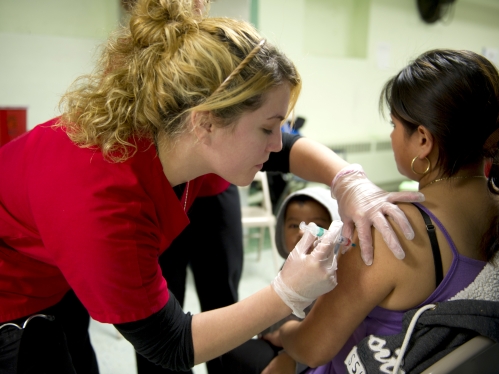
[243, 147]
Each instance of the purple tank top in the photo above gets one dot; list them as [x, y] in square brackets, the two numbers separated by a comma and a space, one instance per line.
[380, 321]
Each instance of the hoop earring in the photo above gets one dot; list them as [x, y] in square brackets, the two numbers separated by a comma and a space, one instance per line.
[426, 170]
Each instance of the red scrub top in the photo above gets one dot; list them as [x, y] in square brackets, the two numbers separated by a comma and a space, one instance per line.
[213, 185]
[71, 219]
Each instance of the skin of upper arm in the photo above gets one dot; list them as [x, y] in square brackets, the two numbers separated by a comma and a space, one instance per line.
[335, 315]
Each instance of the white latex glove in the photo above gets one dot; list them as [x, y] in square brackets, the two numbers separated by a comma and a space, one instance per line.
[308, 274]
[363, 204]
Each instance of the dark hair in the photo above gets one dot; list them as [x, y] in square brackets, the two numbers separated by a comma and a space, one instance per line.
[455, 96]
[301, 199]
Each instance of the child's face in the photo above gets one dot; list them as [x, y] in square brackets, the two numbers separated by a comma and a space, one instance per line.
[303, 211]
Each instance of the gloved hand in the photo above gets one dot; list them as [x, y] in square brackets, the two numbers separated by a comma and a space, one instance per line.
[363, 204]
[309, 271]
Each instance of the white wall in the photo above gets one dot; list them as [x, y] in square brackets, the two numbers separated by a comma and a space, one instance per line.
[239, 9]
[37, 69]
[45, 45]
[340, 94]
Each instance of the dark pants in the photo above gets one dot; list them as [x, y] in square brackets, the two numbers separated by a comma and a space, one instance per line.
[212, 246]
[249, 358]
[50, 346]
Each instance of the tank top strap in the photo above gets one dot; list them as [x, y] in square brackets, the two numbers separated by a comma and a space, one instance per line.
[441, 227]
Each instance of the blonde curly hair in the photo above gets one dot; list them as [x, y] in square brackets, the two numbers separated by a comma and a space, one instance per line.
[170, 62]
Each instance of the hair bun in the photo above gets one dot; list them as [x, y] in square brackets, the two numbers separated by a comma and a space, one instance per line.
[163, 21]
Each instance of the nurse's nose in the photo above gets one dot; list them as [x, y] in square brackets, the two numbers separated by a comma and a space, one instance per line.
[275, 141]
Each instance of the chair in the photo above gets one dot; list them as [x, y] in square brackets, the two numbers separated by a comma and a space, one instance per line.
[478, 355]
[260, 215]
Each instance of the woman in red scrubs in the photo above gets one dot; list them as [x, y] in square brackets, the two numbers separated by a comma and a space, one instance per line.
[89, 200]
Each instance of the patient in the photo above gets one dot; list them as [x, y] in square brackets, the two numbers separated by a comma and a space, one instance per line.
[444, 109]
[312, 204]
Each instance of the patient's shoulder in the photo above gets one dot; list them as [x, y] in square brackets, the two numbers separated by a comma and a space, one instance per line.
[410, 280]
[415, 274]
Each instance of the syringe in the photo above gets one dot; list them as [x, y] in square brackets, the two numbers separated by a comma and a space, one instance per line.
[313, 229]
[320, 232]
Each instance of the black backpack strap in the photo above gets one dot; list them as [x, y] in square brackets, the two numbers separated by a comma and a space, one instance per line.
[437, 259]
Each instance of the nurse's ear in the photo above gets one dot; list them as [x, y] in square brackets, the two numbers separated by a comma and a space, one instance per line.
[202, 126]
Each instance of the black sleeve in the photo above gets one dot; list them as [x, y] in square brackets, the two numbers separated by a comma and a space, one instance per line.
[165, 338]
[279, 161]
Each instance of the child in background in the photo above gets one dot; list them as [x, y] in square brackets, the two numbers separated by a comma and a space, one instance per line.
[313, 204]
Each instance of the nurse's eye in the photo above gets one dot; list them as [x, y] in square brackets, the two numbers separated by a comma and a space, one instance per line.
[267, 131]
[392, 124]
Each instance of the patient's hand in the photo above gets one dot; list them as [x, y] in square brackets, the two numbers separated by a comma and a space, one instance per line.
[281, 364]
[274, 338]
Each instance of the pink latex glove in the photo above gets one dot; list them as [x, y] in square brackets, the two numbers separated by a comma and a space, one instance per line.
[309, 271]
[361, 204]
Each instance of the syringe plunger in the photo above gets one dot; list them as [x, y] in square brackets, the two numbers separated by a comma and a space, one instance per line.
[313, 229]
[319, 232]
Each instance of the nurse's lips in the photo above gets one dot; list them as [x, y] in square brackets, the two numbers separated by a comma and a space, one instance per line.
[259, 166]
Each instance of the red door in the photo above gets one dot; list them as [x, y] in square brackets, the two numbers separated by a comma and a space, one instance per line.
[12, 123]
